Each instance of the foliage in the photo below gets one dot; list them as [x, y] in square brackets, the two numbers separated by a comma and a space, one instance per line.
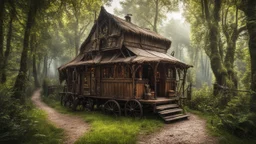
[23, 123]
[108, 129]
[42, 131]
[142, 16]
[213, 124]
[237, 118]
[13, 119]
[231, 112]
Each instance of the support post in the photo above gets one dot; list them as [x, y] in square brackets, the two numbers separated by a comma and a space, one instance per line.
[133, 80]
[155, 80]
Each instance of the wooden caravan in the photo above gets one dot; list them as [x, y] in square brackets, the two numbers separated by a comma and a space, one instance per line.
[124, 69]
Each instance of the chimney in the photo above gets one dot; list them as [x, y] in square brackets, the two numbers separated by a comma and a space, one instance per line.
[128, 18]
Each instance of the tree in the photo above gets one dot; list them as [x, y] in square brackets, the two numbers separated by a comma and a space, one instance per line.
[8, 40]
[220, 24]
[2, 11]
[78, 17]
[21, 79]
[145, 17]
[231, 30]
[249, 8]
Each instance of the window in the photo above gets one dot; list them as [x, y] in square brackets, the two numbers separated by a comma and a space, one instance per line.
[108, 72]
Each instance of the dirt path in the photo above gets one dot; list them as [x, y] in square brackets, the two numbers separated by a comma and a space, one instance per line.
[73, 126]
[192, 131]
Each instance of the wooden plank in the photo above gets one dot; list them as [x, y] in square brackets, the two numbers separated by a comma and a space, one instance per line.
[167, 106]
[170, 111]
[176, 118]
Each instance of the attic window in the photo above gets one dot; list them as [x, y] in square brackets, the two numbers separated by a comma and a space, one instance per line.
[127, 53]
[87, 57]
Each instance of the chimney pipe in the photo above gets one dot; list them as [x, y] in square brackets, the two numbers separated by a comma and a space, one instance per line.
[128, 18]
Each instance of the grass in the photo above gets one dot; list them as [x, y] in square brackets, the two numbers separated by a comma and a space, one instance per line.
[108, 129]
[42, 132]
[222, 134]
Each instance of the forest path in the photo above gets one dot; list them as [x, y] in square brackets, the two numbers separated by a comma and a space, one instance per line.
[192, 131]
[74, 127]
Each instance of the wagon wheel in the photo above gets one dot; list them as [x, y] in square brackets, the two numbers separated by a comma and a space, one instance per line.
[78, 104]
[133, 108]
[62, 99]
[69, 101]
[112, 107]
[89, 104]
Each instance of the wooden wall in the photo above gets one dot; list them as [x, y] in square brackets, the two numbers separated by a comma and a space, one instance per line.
[116, 88]
[140, 88]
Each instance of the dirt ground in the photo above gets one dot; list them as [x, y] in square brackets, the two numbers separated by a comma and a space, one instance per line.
[192, 131]
[74, 127]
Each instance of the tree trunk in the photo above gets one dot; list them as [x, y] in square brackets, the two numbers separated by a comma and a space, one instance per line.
[19, 86]
[8, 46]
[2, 2]
[45, 66]
[251, 26]
[33, 47]
[214, 53]
[156, 16]
[76, 39]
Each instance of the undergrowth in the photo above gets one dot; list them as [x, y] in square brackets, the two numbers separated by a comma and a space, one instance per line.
[228, 115]
[109, 129]
[24, 123]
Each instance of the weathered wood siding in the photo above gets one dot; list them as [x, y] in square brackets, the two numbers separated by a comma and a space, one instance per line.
[116, 88]
[140, 88]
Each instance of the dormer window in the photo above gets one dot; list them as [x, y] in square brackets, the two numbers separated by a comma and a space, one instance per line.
[104, 30]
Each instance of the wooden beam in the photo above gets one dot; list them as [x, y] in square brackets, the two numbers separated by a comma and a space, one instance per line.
[155, 80]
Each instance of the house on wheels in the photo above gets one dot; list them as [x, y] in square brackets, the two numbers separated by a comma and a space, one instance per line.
[124, 69]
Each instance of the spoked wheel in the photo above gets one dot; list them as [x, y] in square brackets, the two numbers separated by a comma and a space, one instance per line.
[112, 107]
[69, 101]
[89, 104]
[78, 104]
[133, 108]
[62, 99]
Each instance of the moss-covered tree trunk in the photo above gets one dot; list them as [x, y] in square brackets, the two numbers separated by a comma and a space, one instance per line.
[33, 47]
[250, 12]
[213, 50]
[229, 63]
[2, 2]
[20, 83]
[8, 45]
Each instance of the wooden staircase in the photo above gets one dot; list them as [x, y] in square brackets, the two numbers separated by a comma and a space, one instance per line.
[170, 112]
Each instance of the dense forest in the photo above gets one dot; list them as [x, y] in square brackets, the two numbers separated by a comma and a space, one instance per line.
[217, 37]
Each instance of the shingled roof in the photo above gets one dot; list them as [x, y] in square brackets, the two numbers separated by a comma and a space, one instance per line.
[127, 27]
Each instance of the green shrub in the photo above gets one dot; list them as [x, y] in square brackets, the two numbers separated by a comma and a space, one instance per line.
[23, 123]
[237, 118]
[232, 111]
[13, 119]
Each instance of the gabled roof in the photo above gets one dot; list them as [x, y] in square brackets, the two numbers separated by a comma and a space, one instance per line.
[126, 27]
[132, 28]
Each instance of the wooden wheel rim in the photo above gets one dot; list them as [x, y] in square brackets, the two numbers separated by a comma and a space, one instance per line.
[133, 108]
[112, 107]
[78, 104]
[89, 104]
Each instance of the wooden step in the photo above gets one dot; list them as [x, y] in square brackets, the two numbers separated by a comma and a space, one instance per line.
[176, 118]
[168, 111]
[172, 116]
[166, 106]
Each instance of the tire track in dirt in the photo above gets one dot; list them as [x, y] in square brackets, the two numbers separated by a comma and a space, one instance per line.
[74, 127]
